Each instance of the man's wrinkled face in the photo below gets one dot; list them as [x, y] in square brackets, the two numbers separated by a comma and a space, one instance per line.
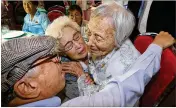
[101, 36]
[73, 44]
[51, 77]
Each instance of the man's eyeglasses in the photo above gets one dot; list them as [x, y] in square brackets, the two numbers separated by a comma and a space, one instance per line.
[69, 45]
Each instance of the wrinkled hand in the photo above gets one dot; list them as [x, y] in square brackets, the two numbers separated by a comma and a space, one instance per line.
[74, 68]
[164, 39]
[88, 80]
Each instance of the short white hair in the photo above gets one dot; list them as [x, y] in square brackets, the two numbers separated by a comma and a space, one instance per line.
[123, 20]
[55, 28]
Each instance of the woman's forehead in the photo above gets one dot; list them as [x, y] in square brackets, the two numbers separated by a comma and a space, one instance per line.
[67, 34]
[100, 23]
[68, 31]
[26, 1]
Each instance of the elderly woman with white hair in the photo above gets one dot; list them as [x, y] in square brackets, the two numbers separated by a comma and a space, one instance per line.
[111, 51]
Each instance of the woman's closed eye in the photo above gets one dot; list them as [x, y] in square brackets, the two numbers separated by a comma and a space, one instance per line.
[98, 37]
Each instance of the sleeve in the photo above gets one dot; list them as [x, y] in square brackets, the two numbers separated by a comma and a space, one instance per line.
[125, 90]
[25, 26]
[49, 102]
[45, 21]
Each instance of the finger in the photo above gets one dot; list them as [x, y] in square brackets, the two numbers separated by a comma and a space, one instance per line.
[70, 72]
[70, 64]
[87, 75]
[66, 71]
[65, 65]
[66, 68]
[55, 60]
[88, 80]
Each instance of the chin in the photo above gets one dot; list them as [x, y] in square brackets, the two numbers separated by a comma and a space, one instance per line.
[96, 54]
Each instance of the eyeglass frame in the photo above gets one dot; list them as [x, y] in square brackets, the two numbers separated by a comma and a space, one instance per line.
[74, 39]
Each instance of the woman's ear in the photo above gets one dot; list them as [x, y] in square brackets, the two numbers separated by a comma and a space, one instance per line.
[27, 88]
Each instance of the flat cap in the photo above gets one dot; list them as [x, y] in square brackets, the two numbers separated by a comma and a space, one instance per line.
[18, 55]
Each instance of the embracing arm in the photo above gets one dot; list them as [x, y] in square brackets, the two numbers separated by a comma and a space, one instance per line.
[125, 90]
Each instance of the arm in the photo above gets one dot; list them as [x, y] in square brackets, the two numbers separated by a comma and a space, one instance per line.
[85, 83]
[45, 22]
[125, 90]
[25, 26]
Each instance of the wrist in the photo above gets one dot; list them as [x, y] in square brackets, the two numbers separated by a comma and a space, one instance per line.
[158, 44]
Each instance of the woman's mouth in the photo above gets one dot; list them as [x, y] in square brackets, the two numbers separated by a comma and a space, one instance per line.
[82, 51]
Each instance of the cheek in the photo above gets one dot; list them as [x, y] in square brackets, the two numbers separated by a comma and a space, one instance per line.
[106, 45]
[71, 53]
[80, 19]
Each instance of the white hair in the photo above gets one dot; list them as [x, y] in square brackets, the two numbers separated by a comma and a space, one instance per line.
[123, 20]
[55, 28]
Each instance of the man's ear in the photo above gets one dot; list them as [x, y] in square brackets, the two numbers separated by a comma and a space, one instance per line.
[28, 88]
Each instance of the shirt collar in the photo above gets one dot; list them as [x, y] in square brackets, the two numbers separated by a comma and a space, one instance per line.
[50, 102]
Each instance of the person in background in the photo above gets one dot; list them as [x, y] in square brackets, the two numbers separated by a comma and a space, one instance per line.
[75, 13]
[35, 21]
[41, 4]
[31, 75]
[7, 15]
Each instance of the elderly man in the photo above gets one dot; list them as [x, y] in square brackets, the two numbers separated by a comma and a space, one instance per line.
[30, 73]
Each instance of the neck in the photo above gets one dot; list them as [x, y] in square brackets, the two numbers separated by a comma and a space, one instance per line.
[32, 14]
[85, 60]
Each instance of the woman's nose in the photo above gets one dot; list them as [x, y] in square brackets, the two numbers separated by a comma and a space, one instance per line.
[90, 42]
[77, 44]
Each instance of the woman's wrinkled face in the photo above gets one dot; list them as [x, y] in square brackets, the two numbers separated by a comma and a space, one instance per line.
[76, 17]
[73, 44]
[101, 36]
[28, 7]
